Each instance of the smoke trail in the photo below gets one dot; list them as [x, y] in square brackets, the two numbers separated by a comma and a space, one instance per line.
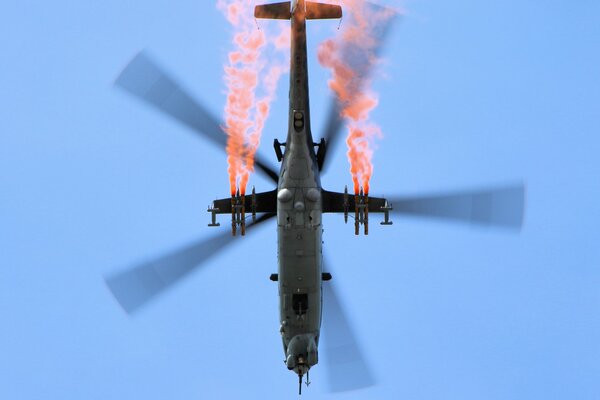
[245, 73]
[350, 56]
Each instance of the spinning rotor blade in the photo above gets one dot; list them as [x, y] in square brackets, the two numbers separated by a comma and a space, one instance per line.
[135, 287]
[364, 67]
[501, 207]
[346, 366]
[144, 79]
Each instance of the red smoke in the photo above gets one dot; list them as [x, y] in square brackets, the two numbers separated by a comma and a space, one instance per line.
[245, 114]
[350, 56]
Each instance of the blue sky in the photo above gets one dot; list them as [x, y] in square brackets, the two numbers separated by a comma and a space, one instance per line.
[471, 93]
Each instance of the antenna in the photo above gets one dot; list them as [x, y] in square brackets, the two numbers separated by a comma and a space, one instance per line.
[299, 385]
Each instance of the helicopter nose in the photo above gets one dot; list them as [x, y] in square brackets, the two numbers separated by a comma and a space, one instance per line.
[291, 361]
[295, 362]
[301, 353]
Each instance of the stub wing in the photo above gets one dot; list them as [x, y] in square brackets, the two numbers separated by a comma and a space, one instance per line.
[239, 204]
[360, 205]
[265, 202]
[334, 202]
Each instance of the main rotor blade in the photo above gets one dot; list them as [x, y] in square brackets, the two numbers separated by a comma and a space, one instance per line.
[363, 67]
[146, 80]
[346, 366]
[135, 287]
[501, 207]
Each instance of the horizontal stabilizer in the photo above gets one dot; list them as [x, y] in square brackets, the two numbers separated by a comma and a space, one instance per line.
[273, 11]
[322, 11]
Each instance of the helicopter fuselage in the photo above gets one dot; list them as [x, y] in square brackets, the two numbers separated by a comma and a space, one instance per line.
[299, 211]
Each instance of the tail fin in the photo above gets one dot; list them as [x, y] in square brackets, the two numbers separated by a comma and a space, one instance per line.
[322, 11]
[273, 11]
[283, 11]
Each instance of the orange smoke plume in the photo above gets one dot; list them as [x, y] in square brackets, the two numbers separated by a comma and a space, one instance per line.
[350, 56]
[245, 114]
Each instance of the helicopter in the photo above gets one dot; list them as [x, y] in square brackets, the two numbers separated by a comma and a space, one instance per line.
[296, 204]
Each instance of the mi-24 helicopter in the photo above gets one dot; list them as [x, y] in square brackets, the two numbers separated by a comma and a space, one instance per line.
[296, 205]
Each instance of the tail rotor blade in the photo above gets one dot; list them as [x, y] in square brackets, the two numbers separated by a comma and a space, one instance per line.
[501, 207]
[135, 287]
[146, 80]
[346, 365]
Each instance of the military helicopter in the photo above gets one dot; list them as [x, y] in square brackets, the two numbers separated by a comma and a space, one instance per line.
[297, 205]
